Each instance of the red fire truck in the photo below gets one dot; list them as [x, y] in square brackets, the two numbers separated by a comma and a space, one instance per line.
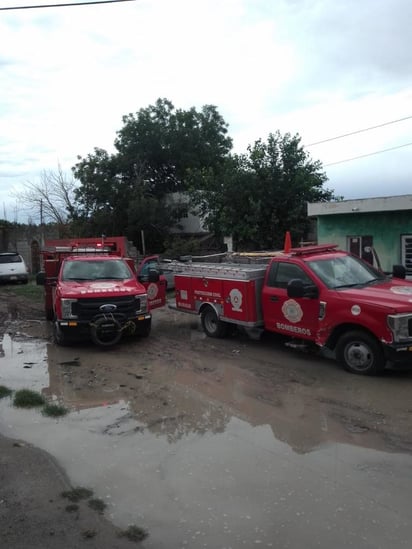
[317, 294]
[93, 290]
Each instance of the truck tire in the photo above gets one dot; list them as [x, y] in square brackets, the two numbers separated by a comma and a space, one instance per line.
[59, 336]
[143, 328]
[212, 326]
[360, 353]
[103, 337]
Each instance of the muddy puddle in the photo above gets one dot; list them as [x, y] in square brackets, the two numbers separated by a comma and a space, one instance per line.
[206, 453]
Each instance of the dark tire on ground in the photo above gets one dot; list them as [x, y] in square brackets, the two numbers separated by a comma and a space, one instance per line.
[360, 353]
[59, 336]
[212, 326]
[143, 328]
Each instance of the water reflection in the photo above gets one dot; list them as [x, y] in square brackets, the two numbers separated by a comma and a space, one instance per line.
[23, 363]
[228, 489]
[205, 456]
[171, 397]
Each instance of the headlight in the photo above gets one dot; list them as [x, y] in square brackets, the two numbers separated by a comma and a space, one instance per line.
[399, 326]
[67, 308]
[141, 300]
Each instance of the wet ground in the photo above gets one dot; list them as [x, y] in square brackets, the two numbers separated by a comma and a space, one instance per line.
[221, 443]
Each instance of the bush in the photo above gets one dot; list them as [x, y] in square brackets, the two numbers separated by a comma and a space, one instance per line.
[5, 391]
[178, 246]
[54, 410]
[26, 398]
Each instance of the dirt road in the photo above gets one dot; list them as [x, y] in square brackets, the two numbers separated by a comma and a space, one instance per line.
[218, 443]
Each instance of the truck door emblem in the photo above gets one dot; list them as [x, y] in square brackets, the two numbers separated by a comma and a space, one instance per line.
[292, 310]
[236, 299]
[108, 308]
[152, 290]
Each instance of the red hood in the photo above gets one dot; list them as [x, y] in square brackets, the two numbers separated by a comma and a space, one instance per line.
[395, 295]
[100, 288]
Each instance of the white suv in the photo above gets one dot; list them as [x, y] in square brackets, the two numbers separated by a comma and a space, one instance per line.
[13, 268]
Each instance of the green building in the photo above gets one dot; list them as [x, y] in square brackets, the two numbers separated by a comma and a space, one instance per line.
[363, 225]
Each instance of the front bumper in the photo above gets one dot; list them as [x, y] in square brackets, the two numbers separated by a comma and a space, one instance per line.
[14, 278]
[398, 353]
[82, 328]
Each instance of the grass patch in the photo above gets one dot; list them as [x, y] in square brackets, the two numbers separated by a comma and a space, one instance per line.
[5, 391]
[54, 410]
[76, 494]
[26, 398]
[30, 291]
[134, 533]
[97, 504]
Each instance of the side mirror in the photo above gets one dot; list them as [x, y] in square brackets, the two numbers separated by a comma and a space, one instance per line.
[297, 289]
[154, 275]
[398, 271]
[41, 278]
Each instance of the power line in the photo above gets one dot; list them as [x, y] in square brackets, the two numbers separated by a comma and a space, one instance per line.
[358, 131]
[369, 154]
[65, 5]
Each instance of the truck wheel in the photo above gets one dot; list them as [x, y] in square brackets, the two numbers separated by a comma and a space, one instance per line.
[105, 332]
[360, 353]
[143, 328]
[212, 326]
[59, 336]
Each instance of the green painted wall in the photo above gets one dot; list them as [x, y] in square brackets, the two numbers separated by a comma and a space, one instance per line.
[385, 227]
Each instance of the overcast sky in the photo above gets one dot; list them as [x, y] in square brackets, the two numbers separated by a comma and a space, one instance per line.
[320, 68]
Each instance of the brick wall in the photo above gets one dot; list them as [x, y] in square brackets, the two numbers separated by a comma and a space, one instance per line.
[27, 240]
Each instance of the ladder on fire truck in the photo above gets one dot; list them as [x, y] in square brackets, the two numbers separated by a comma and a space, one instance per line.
[241, 265]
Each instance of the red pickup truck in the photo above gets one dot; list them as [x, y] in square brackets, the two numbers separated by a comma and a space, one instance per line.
[93, 290]
[316, 294]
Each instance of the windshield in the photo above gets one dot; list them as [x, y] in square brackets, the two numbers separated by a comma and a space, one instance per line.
[10, 258]
[345, 272]
[115, 269]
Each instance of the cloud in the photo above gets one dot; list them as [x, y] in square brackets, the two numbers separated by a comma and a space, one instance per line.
[315, 67]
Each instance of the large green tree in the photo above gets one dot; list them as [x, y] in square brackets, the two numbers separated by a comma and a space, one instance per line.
[155, 150]
[263, 193]
[163, 143]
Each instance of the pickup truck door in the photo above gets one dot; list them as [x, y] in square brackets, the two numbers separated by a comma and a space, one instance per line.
[297, 317]
[156, 291]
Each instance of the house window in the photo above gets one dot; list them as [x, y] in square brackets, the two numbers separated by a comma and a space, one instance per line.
[406, 252]
[362, 246]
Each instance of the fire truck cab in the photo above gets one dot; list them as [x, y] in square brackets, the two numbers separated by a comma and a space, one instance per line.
[92, 290]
